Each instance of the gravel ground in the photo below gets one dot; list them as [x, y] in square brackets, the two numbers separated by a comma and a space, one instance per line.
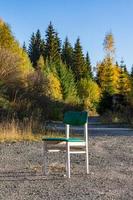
[110, 178]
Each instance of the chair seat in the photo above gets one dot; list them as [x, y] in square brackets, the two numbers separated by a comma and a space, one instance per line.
[63, 139]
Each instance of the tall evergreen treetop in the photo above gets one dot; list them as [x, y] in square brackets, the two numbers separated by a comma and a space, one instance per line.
[88, 65]
[31, 49]
[42, 49]
[132, 71]
[35, 47]
[79, 65]
[53, 45]
[24, 47]
[67, 53]
[123, 66]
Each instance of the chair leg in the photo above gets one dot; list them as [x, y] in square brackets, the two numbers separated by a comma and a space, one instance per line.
[87, 155]
[87, 161]
[44, 158]
[68, 159]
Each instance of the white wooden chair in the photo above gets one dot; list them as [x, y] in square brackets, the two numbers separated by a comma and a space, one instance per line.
[70, 145]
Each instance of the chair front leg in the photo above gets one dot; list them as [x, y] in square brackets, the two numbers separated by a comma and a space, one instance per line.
[86, 146]
[68, 159]
[45, 158]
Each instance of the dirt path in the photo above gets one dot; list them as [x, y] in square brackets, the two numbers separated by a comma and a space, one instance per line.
[110, 178]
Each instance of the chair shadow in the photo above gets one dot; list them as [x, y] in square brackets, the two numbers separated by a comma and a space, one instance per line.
[33, 176]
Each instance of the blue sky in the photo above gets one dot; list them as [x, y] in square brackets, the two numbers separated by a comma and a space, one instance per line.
[88, 19]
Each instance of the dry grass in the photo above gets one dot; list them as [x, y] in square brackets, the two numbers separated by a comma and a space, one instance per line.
[27, 131]
[14, 131]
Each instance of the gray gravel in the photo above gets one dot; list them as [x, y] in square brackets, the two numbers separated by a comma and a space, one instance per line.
[110, 178]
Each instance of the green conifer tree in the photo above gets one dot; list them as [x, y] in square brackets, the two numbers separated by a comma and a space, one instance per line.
[69, 89]
[24, 47]
[67, 53]
[40, 63]
[35, 47]
[131, 71]
[42, 49]
[52, 50]
[124, 80]
[88, 65]
[79, 66]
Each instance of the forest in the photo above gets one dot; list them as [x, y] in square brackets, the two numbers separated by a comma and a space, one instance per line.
[43, 79]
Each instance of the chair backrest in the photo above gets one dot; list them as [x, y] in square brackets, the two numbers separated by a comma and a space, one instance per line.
[75, 118]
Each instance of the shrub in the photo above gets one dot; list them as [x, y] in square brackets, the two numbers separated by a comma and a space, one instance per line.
[89, 93]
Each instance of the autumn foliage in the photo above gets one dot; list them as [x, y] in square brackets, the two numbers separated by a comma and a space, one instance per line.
[48, 77]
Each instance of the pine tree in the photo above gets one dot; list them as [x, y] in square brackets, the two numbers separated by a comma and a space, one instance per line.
[68, 85]
[35, 48]
[123, 66]
[107, 71]
[53, 46]
[24, 47]
[42, 49]
[31, 49]
[88, 65]
[40, 63]
[89, 93]
[108, 76]
[38, 42]
[124, 81]
[67, 53]
[79, 66]
[131, 72]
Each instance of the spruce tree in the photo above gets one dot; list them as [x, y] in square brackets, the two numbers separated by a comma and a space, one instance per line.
[88, 65]
[123, 66]
[52, 50]
[42, 49]
[40, 63]
[31, 49]
[124, 81]
[24, 47]
[131, 71]
[69, 89]
[108, 76]
[107, 71]
[79, 65]
[67, 53]
[35, 48]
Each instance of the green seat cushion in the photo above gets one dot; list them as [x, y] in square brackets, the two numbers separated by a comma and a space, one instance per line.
[75, 118]
[63, 139]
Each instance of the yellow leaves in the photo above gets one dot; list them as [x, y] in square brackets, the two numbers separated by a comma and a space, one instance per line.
[112, 78]
[54, 87]
[1, 22]
[109, 44]
[25, 64]
[124, 82]
[108, 75]
[7, 41]
[40, 63]
[89, 91]
[9, 71]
